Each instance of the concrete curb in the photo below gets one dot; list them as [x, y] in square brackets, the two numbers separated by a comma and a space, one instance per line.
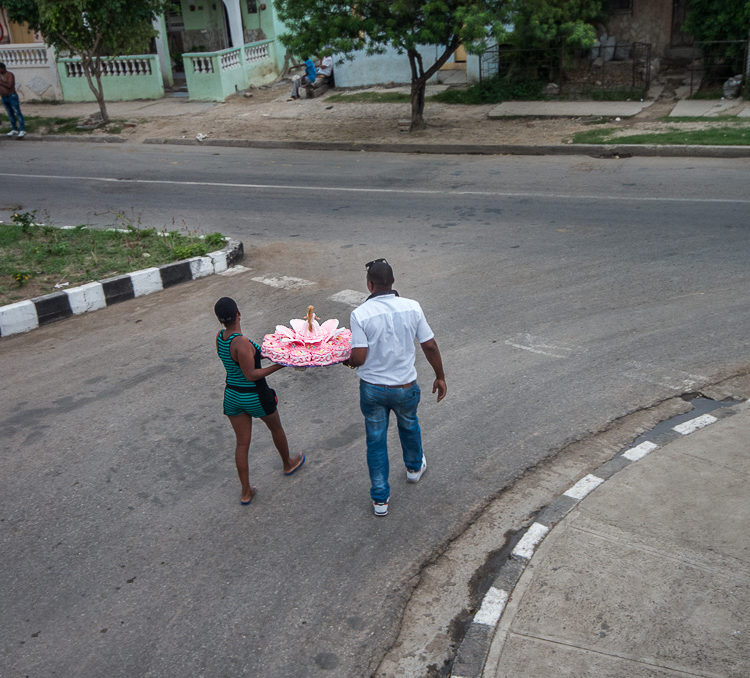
[599, 150]
[109, 139]
[475, 646]
[27, 315]
[596, 150]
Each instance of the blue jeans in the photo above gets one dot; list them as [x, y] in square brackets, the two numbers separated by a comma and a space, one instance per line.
[13, 109]
[376, 403]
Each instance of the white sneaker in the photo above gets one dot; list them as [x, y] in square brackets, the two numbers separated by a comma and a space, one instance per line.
[12, 133]
[380, 508]
[414, 476]
[21, 135]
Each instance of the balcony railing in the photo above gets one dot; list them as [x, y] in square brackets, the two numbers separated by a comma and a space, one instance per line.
[213, 76]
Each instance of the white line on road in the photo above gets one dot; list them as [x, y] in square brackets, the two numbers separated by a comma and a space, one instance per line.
[349, 297]
[284, 282]
[527, 342]
[234, 270]
[539, 195]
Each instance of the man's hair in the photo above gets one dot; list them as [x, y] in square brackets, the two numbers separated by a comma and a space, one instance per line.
[226, 310]
[2, 65]
[380, 273]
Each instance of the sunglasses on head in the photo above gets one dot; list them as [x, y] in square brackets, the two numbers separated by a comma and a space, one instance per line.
[375, 261]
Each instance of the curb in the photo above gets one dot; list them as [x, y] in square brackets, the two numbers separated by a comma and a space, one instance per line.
[599, 150]
[23, 316]
[596, 150]
[474, 648]
[108, 139]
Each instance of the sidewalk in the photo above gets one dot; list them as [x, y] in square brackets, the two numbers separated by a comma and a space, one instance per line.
[266, 119]
[649, 575]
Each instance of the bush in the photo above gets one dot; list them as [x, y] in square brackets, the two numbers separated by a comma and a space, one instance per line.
[492, 91]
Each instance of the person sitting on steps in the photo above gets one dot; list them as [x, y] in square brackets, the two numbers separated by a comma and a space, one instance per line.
[314, 77]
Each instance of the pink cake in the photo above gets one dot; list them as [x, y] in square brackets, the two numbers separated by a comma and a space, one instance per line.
[308, 343]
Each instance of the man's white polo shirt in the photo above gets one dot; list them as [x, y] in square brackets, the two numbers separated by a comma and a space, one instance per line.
[387, 325]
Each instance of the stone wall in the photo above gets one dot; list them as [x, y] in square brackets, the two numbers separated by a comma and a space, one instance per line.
[650, 21]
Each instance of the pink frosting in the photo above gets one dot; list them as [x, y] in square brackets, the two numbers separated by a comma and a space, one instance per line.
[299, 347]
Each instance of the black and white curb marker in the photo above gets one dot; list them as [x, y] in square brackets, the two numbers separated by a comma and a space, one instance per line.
[31, 313]
[473, 650]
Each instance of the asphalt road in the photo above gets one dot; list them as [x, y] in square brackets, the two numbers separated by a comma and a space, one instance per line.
[564, 293]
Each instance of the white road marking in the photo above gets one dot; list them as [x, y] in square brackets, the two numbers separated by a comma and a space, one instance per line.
[527, 342]
[639, 451]
[234, 270]
[525, 547]
[694, 424]
[349, 297]
[492, 607]
[583, 487]
[539, 195]
[284, 282]
[676, 380]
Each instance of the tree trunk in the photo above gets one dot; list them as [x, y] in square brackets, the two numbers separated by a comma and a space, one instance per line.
[417, 104]
[418, 83]
[419, 78]
[92, 67]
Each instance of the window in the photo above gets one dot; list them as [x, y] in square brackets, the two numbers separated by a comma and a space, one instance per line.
[252, 7]
[622, 6]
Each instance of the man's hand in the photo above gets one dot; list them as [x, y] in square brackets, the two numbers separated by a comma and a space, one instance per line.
[439, 386]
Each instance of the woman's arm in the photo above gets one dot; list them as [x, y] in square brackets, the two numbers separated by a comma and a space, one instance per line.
[244, 353]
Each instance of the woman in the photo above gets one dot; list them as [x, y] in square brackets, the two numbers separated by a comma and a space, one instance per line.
[247, 394]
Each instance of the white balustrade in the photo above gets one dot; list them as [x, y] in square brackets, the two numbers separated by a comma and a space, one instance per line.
[256, 52]
[24, 56]
[230, 60]
[202, 64]
[122, 66]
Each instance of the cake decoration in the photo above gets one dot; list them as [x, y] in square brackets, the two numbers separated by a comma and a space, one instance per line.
[307, 343]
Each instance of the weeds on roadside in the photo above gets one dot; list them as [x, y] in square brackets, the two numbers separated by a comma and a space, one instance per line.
[37, 257]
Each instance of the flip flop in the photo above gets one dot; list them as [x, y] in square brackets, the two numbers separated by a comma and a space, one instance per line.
[297, 467]
[247, 503]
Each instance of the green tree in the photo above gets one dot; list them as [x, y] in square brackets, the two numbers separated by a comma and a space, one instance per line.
[328, 26]
[91, 30]
[720, 21]
[556, 24]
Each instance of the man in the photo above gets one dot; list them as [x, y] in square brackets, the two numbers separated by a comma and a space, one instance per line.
[384, 328]
[312, 75]
[11, 103]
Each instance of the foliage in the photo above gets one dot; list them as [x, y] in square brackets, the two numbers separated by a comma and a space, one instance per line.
[554, 23]
[492, 91]
[39, 256]
[721, 135]
[214, 240]
[714, 20]
[322, 26]
[90, 30]
[719, 22]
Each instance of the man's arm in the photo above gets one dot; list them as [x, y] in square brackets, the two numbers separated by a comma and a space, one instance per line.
[8, 84]
[357, 358]
[432, 353]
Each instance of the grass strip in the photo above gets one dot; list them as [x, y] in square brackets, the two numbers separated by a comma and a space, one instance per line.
[34, 258]
[723, 136]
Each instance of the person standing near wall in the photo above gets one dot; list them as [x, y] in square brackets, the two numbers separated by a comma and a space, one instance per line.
[11, 103]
